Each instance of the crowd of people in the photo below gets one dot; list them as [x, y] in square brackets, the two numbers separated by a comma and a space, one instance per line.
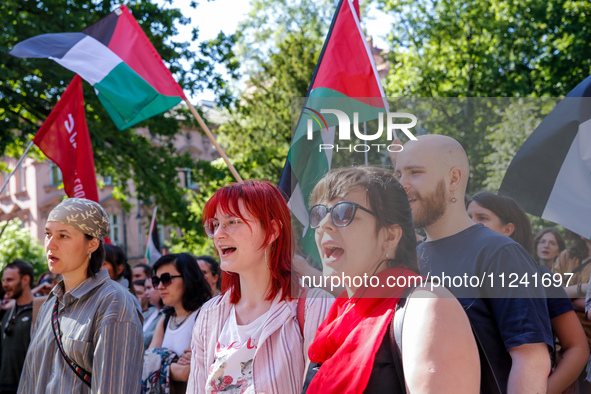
[93, 323]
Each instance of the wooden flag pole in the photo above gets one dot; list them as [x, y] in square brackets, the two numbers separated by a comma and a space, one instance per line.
[213, 141]
[16, 167]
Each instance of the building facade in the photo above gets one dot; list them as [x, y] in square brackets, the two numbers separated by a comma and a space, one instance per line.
[36, 188]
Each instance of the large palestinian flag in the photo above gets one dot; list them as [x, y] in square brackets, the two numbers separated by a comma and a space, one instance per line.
[117, 59]
[346, 79]
[550, 176]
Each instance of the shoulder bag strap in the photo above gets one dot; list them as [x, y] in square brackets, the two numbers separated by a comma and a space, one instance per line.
[78, 370]
[581, 266]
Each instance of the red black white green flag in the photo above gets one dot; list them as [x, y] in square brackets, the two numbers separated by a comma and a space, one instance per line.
[153, 247]
[550, 176]
[118, 60]
[345, 77]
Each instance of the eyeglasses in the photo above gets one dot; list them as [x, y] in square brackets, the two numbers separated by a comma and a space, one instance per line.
[341, 214]
[165, 278]
[229, 226]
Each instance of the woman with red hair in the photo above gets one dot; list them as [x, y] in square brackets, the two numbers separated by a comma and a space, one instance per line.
[252, 337]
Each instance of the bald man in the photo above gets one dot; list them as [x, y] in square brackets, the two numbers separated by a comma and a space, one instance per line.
[512, 324]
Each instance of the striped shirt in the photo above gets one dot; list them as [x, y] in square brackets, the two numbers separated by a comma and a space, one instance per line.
[101, 330]
[281, 357]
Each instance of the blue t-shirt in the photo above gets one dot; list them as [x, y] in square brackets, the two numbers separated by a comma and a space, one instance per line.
[558, 301]
[502, 316]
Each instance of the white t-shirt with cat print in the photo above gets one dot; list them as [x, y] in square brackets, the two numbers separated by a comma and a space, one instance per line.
[231, 371]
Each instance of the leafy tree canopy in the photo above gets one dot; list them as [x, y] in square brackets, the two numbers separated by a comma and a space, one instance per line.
[29, 88]
[16, 242]
[487, 48]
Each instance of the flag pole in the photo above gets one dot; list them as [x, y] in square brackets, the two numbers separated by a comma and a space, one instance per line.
[4, 228]
[213, 141]
[16, 167]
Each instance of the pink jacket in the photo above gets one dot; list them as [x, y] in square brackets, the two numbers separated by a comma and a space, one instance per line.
[282, 356]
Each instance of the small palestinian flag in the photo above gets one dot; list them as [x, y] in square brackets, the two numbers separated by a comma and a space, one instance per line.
[153, 247]
[550, 176]
[117, 59]
[346, 78]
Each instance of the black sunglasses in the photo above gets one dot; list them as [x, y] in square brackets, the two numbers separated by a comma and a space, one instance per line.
[165, 278]
[341, 214]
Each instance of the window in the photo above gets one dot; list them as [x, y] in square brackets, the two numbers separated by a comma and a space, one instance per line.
[108, 180]
[21, 181]
[115, 234]
[189, 184]
[56, 175]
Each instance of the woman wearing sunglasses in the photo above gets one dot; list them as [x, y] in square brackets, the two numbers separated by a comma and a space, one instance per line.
[183, 289]
[250, 338]
[88, 333]
[364, 229]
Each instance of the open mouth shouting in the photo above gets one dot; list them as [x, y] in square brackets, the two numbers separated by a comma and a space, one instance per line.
[331, 252]
[52, 259]
[226, 251]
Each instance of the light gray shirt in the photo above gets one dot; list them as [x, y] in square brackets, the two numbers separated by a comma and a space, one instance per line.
[101, 329]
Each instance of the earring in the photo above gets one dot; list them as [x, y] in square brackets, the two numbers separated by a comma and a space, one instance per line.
[386, 255]
[89, 255]
[266, 262]
[453, 200]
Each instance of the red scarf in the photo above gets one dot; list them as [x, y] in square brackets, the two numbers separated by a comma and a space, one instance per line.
[348, 339]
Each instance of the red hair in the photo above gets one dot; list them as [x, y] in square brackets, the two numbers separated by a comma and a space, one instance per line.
[266, 203]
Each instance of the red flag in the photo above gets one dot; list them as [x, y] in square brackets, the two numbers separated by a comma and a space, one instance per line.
[356, 7]
[65, 140]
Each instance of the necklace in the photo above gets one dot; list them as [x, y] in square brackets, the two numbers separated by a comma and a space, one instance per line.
[178, 324]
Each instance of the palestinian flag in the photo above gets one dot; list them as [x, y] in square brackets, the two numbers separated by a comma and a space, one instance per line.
[117, 59]
[153, 247]
[346, 79]
[550, 176]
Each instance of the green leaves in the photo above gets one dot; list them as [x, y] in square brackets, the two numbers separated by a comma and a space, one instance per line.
[16, 242]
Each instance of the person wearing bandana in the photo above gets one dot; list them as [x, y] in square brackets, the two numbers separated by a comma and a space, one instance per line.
[88, 334]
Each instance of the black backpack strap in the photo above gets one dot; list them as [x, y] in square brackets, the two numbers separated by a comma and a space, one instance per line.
[488, 381]
[395, 331]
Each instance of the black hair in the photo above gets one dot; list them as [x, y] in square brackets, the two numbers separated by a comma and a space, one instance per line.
[214, 267]
[140, 282]
[387, 198]
[508, 211]
[115, 256]
[24, 269]
[196, 290]
[96, 259]
[147, 269]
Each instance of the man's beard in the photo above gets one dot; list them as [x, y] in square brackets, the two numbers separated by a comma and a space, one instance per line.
[18, 291]
[432, 206]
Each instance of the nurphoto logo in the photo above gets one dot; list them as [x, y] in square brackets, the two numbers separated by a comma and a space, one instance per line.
[344, 133]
